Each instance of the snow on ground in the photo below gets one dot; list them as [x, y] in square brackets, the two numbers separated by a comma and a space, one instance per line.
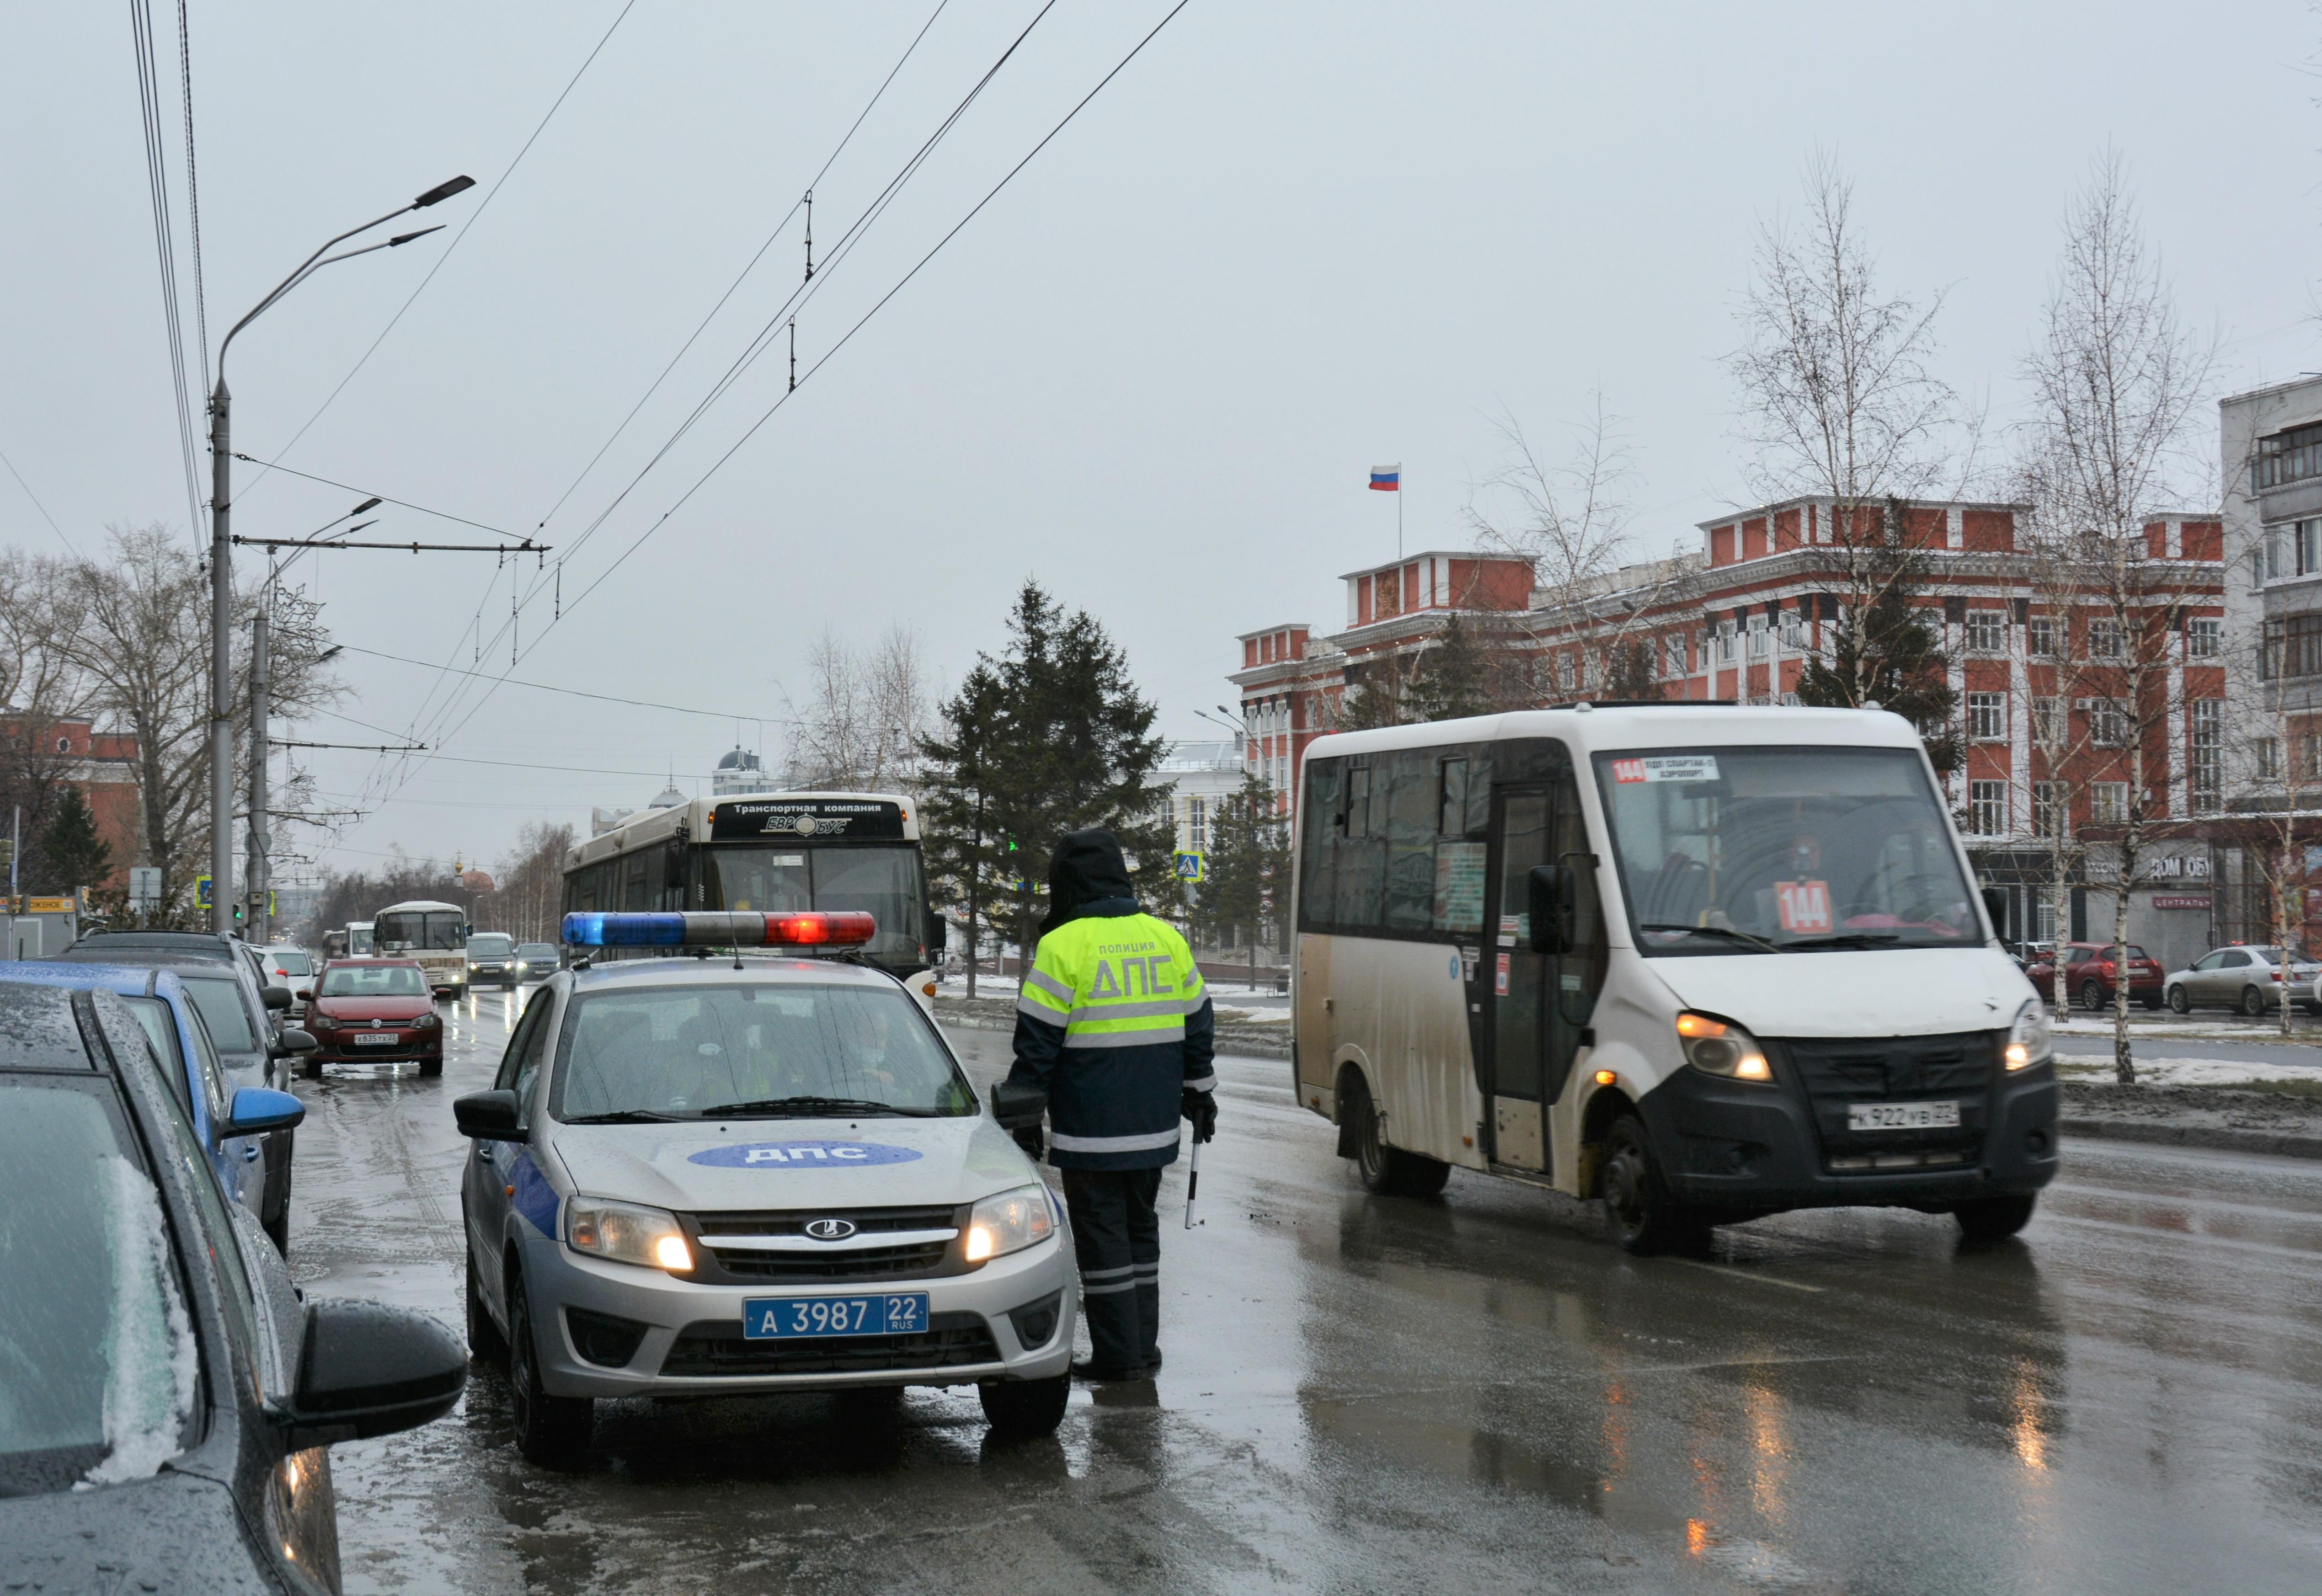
[2193, 1072]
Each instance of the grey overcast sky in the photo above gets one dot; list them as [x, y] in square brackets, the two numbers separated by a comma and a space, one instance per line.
[1290, 240]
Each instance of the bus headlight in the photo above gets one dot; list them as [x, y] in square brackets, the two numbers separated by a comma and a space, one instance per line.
[1718, 1047]
[1009, 1223]
[2028, 1039]
[628, 1233]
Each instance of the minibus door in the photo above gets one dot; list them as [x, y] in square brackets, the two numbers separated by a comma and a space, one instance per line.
[1540, 1003]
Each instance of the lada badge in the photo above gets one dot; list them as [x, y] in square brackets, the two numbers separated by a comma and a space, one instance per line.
[792, 1155]
[830, 1229]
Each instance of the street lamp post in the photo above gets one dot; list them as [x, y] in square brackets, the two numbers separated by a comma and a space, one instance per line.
[222, 896]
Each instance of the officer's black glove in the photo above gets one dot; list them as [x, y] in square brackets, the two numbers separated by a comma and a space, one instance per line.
[1201, 1108]
[1028, 1137]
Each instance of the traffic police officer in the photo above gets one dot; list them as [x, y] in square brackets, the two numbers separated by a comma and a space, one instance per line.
[1114, 1024]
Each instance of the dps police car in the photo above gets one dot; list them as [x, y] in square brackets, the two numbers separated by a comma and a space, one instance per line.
[707, 1176]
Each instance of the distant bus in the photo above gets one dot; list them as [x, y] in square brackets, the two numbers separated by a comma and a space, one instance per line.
[358, 939]
[434, 934]
[772, 852]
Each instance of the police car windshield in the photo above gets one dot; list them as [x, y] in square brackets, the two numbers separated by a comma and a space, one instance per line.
[752, 1050]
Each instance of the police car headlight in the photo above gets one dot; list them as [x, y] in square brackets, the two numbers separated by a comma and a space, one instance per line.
[1720, 1047]
[1009, 1223]
[628, 1233]
[2029, 1038]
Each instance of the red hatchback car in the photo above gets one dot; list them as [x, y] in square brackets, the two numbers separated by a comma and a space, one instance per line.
[2089, 977]
[365, 1010]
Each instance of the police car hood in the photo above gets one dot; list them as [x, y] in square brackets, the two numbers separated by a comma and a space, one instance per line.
[1854, 992]
[792, 1164]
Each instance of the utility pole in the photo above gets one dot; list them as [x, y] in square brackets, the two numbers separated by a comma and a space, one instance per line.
[221, 658]
[257, 874]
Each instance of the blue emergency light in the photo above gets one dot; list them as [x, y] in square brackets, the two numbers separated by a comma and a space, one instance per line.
[714, 929]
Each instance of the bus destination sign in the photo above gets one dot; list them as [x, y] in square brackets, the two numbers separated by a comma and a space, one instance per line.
[839, 819]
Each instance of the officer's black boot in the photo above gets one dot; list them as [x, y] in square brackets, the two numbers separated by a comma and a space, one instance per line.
[1115, 1337]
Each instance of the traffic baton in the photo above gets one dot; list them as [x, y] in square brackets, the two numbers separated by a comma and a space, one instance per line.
[1193, 1185]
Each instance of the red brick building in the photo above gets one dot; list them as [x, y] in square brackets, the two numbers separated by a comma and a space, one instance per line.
[1740, 619]
[102, 764]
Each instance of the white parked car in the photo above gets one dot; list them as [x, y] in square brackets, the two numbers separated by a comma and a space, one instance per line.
[288, 966]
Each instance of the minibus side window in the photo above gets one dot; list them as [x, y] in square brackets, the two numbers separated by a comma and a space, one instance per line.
[1319, 817]
[1413, 811]
[1580, 972]
[1362, 851]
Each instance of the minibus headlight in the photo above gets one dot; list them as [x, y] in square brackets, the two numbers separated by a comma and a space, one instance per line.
[1009, 1223]
[628, 1233]
[2028, 1038]
[1719, 1047]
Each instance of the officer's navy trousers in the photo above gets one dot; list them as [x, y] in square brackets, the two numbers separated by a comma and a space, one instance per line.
[1117, 1239]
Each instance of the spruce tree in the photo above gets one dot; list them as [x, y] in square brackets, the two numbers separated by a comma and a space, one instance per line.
[1248, 879]
[70, 854]
[1453, 679]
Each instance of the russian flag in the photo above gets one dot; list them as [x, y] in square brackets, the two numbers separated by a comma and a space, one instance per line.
[1386, 478]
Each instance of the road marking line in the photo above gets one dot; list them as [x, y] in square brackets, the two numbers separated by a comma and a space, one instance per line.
[1769, 1280]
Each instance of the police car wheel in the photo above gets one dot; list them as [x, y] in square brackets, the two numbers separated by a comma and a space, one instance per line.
[550, 1430]
[485, 1343]
[1025, 1407]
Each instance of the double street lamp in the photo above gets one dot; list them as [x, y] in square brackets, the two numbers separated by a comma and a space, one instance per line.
[221, 564]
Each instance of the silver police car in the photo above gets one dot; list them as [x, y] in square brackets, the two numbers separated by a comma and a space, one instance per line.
[703, 1176]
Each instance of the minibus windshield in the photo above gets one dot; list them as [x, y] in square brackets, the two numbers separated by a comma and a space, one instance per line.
[1746, 851]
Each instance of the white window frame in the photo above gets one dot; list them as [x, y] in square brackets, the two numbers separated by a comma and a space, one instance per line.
[2205, 637]
[1987, 808]
[1986, 632]
[1986, 717]
[2108, 803]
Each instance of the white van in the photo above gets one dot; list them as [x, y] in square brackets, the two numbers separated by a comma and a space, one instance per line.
[1706, 962]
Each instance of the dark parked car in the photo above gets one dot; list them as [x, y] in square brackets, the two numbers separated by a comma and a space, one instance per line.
[2089, 977]
[222, 979]
[373, 1010]
[168, 1400]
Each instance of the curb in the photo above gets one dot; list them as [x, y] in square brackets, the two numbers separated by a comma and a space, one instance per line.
[2213, 1139]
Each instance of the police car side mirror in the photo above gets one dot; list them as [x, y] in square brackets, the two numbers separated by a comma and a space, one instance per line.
[489, 1117]
[1549, 904]
[275, 998]
[366, 1369]
[1018, 1107]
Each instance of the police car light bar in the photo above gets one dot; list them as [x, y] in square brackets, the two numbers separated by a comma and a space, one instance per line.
[819, 928]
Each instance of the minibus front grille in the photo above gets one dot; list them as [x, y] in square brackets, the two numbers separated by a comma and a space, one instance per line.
[1837, 1072]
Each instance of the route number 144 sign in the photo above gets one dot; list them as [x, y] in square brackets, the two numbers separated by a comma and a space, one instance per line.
[1803, 906]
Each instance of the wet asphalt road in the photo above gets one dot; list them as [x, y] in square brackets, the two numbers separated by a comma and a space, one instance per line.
[1470, 1393]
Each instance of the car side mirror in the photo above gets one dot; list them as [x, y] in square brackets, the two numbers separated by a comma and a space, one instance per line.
[290, 1040]
[938, 932]
[366, 1369]
[1017, 1106]
[256, 1110]
[489, 1117]
[1548, 898]
[1995, 904]
[275, 997]
[304, 994]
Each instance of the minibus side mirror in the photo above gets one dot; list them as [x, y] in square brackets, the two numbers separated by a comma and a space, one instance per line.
[1995, 903]
[1549, 900]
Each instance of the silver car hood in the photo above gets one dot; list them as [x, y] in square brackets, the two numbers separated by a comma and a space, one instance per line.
[793, 1164]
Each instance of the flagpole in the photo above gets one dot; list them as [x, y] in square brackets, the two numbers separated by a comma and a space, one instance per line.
[1398, 514]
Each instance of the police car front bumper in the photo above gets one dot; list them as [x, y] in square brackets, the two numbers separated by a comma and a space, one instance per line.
[588, 1313]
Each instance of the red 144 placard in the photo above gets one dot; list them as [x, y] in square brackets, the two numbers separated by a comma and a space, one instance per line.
[1805, 905]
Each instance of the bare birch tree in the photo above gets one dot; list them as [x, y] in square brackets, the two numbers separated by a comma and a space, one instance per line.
[865, 712]
[2117, 381]
[1840, 398]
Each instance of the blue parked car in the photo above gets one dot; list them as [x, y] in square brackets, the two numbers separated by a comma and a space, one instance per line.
[181, 1040]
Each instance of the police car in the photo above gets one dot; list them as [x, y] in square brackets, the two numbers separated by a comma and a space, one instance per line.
[724, 1173]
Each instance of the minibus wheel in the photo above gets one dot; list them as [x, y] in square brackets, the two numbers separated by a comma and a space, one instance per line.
[1388, 1171]
[1640, 1213]
[1995, 1218]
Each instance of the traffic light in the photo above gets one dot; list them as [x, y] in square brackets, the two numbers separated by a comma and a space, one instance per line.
[237, 913]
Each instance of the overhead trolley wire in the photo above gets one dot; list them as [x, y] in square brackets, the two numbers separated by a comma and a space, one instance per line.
[157, 182]
[193, 197]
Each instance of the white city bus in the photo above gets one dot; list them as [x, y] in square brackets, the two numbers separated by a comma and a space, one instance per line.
[1706, 962]
[434, 934]
[772, 852]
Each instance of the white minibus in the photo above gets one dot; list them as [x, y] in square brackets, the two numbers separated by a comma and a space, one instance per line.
[1704, 961]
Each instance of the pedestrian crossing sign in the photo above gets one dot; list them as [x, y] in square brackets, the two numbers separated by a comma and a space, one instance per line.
[202, 891]
[1192, 867]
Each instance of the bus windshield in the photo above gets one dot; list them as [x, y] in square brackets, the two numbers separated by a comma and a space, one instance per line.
[884, 883]
[437, 930]
[1745, 851]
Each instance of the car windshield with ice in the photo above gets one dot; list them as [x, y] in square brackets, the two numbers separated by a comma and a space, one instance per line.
[752, 1050]
[1746, 851]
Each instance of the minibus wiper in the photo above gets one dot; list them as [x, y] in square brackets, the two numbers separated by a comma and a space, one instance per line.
[1756, 942]
[810, 1107]
[1852, 939]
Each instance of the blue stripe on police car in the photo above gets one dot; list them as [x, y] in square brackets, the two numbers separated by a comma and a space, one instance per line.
[792, 1155]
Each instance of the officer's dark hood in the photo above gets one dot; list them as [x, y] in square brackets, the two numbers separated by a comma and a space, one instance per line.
[1088, 876]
